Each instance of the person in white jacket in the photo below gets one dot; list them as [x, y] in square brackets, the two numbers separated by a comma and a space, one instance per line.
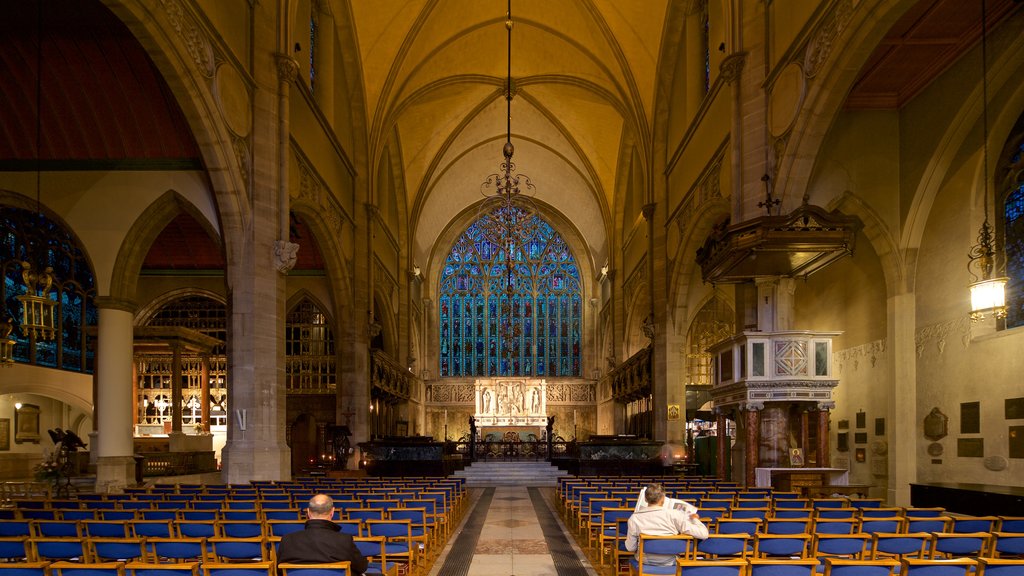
[656, 519]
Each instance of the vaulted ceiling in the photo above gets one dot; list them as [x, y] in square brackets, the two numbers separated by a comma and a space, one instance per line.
[584, 76]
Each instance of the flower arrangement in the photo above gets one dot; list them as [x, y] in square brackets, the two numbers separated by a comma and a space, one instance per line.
[47, 471]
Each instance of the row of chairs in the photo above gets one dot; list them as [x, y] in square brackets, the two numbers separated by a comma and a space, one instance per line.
[843, 567]
[181, 569]
[786, 549]
[199, 528]
[821, 546]
[386, 553]
[786, 525]
[434, 500]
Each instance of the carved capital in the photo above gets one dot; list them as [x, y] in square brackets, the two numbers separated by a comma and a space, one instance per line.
[732, 66]
[287, 68]
[648, 211]
[285, 255]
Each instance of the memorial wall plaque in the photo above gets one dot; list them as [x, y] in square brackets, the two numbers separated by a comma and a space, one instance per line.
[970, 417]
[844, 424]
[862, 420]
[1014, 408]
[860, 437]
[879, 426]
[1016, 437]
[843, 442]
[970, 447]
[936, 425]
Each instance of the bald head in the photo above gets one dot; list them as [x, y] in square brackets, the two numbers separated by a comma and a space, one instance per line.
[321, 507]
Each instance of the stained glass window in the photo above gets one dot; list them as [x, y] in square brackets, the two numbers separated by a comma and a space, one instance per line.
[1013, 233]
[313, 46]
[510, 310]
[28, 236]
[309, 347]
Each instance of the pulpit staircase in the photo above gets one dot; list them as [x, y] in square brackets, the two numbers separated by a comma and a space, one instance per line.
[484, 473]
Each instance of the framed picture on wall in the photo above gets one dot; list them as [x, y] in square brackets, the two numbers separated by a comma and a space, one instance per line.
[26, 424]
[861, 454]
[5, 433]
[673, 412]
[862, 420]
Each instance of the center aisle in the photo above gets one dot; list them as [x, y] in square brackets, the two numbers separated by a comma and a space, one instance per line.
[512, 531]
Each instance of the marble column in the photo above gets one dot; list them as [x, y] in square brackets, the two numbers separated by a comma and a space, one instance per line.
[824, 461]
[115, 467]
[722, 445]
[752, 416]
[805, 436]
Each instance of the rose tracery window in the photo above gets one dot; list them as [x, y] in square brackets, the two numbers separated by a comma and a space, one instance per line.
[510, 310]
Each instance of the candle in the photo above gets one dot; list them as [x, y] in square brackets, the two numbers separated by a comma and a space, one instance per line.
[573, 417]
[446, 417]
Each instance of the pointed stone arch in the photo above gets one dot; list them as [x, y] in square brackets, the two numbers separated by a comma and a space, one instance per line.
[144, 231]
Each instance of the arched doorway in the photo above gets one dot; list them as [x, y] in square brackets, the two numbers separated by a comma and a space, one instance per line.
[303, 444]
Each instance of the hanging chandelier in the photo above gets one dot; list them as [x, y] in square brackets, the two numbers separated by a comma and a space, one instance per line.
[38, 309]
[507, 205]
[988, 294]
[508, 220]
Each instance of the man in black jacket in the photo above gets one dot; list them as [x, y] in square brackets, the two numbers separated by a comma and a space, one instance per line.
[321, 541]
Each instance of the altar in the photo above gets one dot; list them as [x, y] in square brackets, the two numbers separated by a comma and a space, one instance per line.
[786, 479]
[509, 403]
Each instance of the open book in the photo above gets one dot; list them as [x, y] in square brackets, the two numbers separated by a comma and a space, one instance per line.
[683, 505]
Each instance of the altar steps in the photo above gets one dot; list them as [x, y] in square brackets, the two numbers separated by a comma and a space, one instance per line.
[510, 473]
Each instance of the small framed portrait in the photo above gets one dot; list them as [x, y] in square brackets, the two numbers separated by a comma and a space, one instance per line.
[861, 454]
[796, 457]
[673, 412]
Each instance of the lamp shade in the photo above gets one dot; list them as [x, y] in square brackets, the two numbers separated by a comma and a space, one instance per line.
[988, 297]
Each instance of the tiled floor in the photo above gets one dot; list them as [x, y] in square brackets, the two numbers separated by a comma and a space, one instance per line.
[511, 539]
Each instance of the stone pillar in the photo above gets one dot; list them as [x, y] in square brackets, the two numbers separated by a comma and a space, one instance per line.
[752, 415]
[115, 467]
[722, 445]
[902, 411]
[824, 461]
[255, 448]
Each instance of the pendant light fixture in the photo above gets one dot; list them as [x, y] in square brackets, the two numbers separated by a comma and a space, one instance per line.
[988, 294]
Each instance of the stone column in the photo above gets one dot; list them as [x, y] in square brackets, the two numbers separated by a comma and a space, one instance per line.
[256, 269]
[722, 444]
[752, 415]
[135, 394]
[115, 467]
[902, 410]
[824, 461]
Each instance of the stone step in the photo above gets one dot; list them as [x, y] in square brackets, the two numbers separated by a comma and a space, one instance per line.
[510, 473]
